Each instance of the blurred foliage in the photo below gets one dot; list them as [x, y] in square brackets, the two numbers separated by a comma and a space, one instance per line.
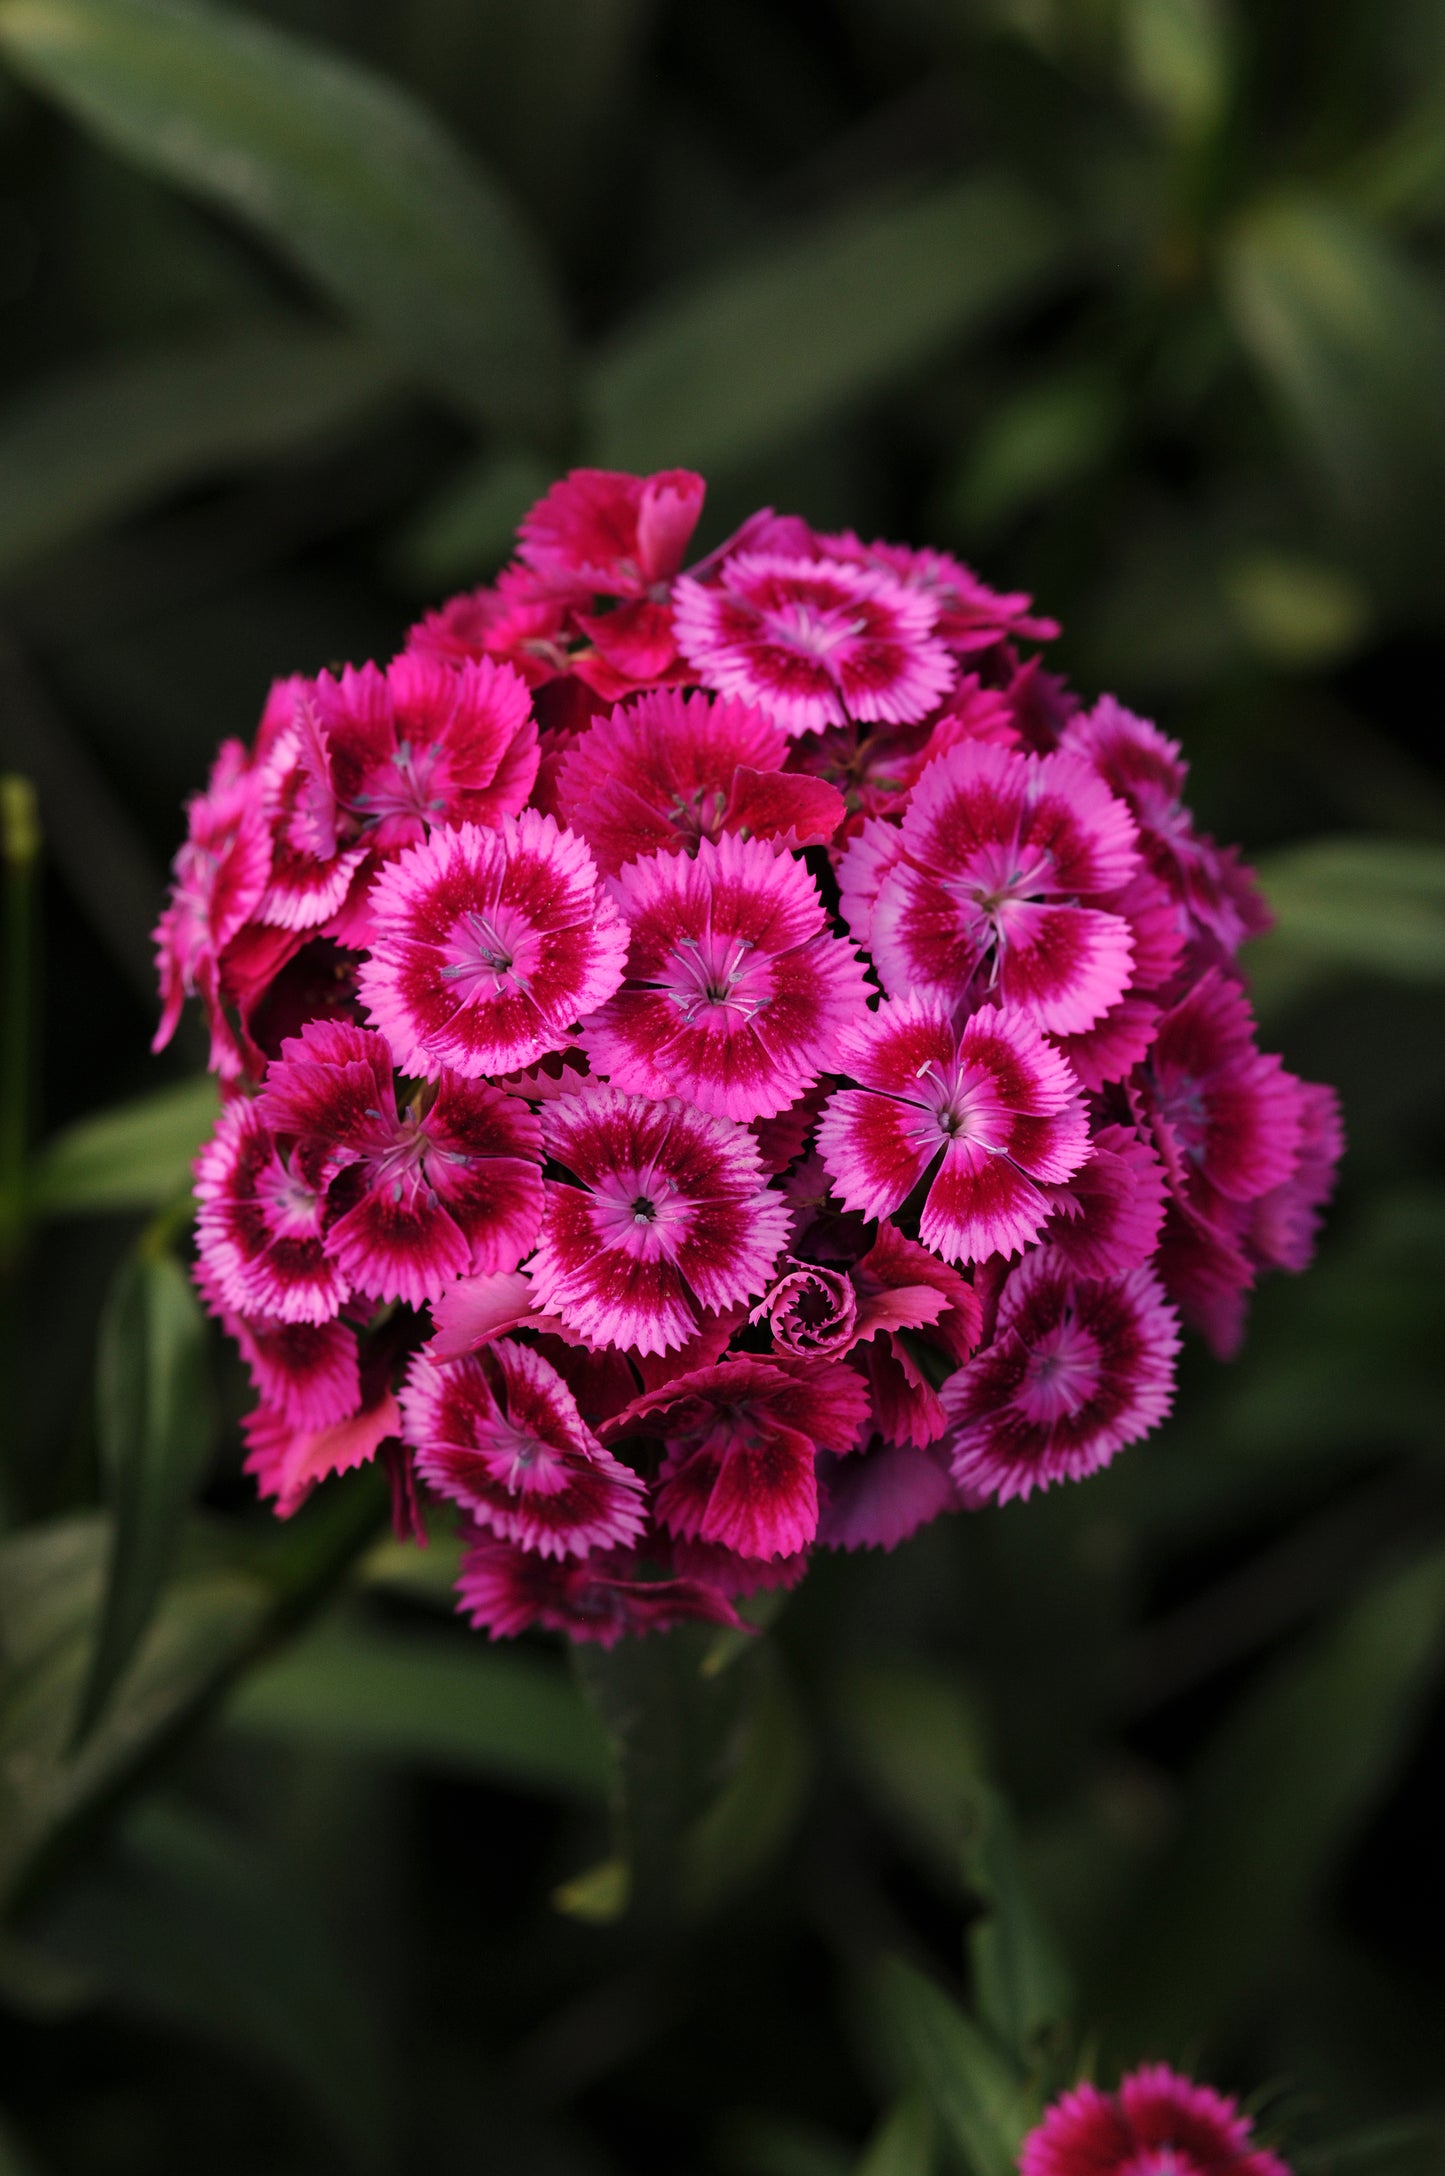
[1139, 305]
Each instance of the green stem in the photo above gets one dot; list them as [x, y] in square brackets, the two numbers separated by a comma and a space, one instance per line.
[19, 856]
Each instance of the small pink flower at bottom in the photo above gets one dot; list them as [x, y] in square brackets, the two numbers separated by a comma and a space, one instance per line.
[1157, 2124]
[501, 1435]
[599, 1598]
[736, 990]
[670, 1214]
[1074, 1373]
[995, 1103]
[488, 946]
[813, 641]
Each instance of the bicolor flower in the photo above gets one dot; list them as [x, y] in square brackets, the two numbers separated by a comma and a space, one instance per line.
[992, 1113]
[668, 1214]
[219, 878]
[1158, 2123]
[287, 1461]
[260, 1228]
[882, 1495]
[1221, 1111]
[876, 768]
[1110, 1212]
[736, 990]
[500, 1433]
[600, 1599]
[308, 1373]
[918, 1321]
[999, 858]
[970, 615]
[812, 641]
[449, 1186]
[489, 946]
[667, 770]
[1075, 1371]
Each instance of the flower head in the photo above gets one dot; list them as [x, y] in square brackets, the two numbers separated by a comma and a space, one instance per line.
[736, 990]
[260, 1230]
[814, 642]
[667, 1214]
[489, 946]
[506, 1590]
[1157, 2124]
[993, 1107]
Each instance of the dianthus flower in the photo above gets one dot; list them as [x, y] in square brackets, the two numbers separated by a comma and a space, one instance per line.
[1156, 2124]
[722, 1060]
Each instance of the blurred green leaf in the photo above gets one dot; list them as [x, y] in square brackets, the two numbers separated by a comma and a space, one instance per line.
[904, 2143]
[105, 438]
[758, 2144]
[51, 1585]
[357, 184]
[15, 2159]
[1299, 613]
[1352, 339]
[417, 1697]
[469, 528]
[730, 367]
[1280, 1793]
[189, 1926]
[153, 1421]
[1032, 443]
[136, 1156]
[1365, 905]
[915, 1738]
[597, 1896]
[1392, 2149]
[979, 2099]
[1177, 54]
[1021, 1986]
[756, 1811]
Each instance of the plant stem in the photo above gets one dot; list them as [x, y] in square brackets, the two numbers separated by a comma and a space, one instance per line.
[19, 858]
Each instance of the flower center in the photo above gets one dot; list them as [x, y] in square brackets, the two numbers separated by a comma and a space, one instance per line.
[711, 974]
[402, 786]
[491, 954]
[1062, 1374]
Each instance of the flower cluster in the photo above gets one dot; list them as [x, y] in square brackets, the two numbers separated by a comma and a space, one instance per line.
[1157, 2124]
[718, 1063]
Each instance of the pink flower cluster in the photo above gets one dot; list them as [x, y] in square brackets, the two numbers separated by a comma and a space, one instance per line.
[717, 1063]
[1157, 2124]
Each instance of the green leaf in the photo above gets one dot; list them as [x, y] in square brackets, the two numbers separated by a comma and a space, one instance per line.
[15, 2159]
[731, 367]
[1033, 443]
[1352, 339]
[153, 1419]
[1022, 1988]
[905, 2143]
[104, 438]
[1281, 1792]
[343, 172]
[981, 2103]
[136, 1156]
[420, 1698]
[1299, 613]
[52, 1579]
[469, 528]
[753, 1816]
[914, 1737]
[1177, 54]
[1372, 906]
[189, 1925]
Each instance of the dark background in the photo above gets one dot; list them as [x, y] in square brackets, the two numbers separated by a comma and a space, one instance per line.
[1136, 304]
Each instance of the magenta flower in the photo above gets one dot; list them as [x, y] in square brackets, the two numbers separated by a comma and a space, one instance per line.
[882, 1495]
[813, 642]
[736, 990]
[260, 1229]
[993, 1107]
[740, 1439]
[505, 1590]
[1221, 1110]
[609, 534]
[669, 1214]
[903, 1287]
[1110, 1212]
[1075, 1371]
[971, 616]
[489, 946]
[450, 1186]
[501, 1435]
[287, 1461]
[519, 620]
[220, 878]
[664, 771]
[996, 854]
[1157, 2124]
[875, 770]
[811, 1310]
[308, 1373]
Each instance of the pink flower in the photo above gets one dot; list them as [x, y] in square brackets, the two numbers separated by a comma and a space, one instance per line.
[307, 1373]
[505, 1591]
[736, 988]
[501, 1435]
[1221, 1111]
[261, 1223]
[287, 1461]
[1219, 902]
[1076, 1370]
[449, 1187]
[1284, 1223]
[220, 879]
[1157, 2124]
[609, 534]
[971, 616]
[902, 1288]
[665, 771]
[880, 1496]
[392, 756]
[997, 851]
[813, 641]
[740, 1439]
[489, 946]
[669, 1214]
[1110, 1212]
[519, 620]
[995, 1103]
[875, 769]
[811, 1309]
